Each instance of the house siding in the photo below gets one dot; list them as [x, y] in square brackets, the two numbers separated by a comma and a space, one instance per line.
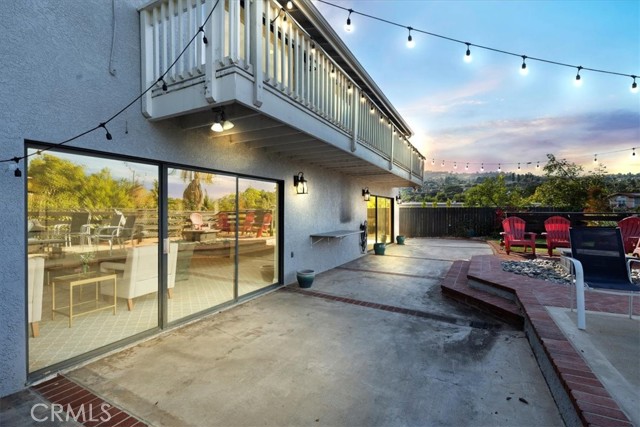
[56, 84]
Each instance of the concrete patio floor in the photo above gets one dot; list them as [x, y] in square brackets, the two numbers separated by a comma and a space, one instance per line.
[289, 358]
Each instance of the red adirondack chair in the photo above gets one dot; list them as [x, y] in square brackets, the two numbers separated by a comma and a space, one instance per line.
[266, 224]
[630, 229]
[514, 234]
[557, 233]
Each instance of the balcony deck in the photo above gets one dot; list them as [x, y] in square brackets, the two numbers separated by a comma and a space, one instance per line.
[298, 95]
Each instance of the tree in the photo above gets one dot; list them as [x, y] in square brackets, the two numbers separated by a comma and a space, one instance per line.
[193, 195]
[563, 187]
[493, 192]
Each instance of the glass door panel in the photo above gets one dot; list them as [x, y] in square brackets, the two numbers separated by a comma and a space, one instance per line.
[257, 235]
[90, 220]
[383, 219]
[201, 218]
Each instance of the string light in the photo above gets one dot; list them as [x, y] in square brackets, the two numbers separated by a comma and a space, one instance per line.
[16, 169]
[289, 5]
[482, 167]
[410, 43]
[108, 135]
[103, 125]
[204, 37]
[595, 158]
[634, 85]
[633, 151]
[348, 27]
[466, 167]
[455, 165]
[538, 165]
[523, 69]
[578, 81]
[467, 54]
[518, 166]
[433, 161]
[499, 168]
[164, 84]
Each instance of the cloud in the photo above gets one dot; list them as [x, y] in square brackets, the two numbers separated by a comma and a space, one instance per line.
[578, 138]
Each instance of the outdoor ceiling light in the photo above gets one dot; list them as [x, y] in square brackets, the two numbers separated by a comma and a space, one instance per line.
[366, 194]
[300, 183]
[398, 199]
[289, 5]
[220, 122]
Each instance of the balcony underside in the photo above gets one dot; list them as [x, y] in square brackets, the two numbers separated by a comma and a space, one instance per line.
[257, 131]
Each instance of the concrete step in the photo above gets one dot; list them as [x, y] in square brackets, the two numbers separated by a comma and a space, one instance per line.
[481, 294]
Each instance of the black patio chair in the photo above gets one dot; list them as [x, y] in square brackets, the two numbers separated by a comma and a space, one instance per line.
[599, 264]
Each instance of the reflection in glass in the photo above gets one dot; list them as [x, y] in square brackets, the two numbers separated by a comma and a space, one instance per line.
[202, 225]
[89, 220]
[257, 237]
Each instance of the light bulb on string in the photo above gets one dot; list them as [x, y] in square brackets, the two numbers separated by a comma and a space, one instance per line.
[442, 163]
[455, 165]
[538, 165]
[433, 161]
[633, 151]
[499, 168]
[518, 166]
[410, 42]
[348, 27]
[467, 54]
[466, 167]
[523, 69]
[595, 158]
[634, 85]
[107, 135]
[482, 167]
[578, 80]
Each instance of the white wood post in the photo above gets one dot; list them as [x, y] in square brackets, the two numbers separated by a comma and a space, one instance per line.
[257, 50]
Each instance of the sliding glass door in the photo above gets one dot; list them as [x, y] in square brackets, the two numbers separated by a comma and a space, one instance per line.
[92, 262]
[97, 276]
[379, 220]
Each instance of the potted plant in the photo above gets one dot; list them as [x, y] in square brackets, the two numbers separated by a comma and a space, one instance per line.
[400, 240]
[267, 272]
[378, 248]
[305, 278]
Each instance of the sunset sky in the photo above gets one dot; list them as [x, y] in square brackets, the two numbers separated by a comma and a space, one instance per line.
[485, 111]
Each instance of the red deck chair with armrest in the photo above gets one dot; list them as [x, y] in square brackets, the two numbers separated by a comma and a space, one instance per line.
[630, 229]
[556, 233]
[514, 234]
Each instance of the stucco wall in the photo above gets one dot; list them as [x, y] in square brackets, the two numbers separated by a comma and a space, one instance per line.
[56, 83]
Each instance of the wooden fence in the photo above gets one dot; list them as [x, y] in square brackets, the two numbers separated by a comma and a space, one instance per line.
[469, 222]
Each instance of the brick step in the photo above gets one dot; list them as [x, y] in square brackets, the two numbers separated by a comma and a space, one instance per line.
[480, 294]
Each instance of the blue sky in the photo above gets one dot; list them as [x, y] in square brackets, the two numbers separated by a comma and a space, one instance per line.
[485, 111]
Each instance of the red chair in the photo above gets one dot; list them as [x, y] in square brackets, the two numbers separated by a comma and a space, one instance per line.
[630, 229]
[249, 219]
[223, 222]
[557, 233]
[266, 224]
[514, 234]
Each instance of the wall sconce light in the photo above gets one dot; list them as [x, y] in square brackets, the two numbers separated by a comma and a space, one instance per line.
[300, 183]
[366, 194]
[398, 199]
[221, 123]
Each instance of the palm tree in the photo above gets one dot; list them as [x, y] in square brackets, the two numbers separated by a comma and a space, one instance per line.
[193, 195]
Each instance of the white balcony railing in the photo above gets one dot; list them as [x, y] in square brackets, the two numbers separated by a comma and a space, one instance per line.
[289, 61]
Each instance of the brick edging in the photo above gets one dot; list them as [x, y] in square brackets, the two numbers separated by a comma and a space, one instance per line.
[84, 406]
[571, 381]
